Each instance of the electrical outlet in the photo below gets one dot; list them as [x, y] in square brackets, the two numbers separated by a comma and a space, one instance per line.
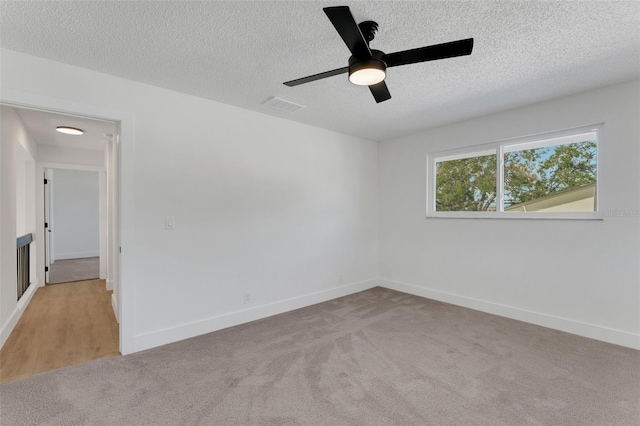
[247, 297]
[169, 222]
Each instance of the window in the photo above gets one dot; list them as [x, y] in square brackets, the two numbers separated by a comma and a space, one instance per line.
[553, 176]
[468, 183]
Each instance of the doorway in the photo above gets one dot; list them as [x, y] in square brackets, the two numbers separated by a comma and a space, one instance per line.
[74, 222]
[76, 195]
[120, 168]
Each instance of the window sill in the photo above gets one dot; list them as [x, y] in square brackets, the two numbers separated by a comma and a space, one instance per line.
[518, 215]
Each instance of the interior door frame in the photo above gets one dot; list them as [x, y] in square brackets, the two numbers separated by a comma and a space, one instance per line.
[105, 253]
[124, 213]
[47, 219]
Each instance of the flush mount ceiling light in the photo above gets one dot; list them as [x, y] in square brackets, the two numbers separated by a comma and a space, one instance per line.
[70, 130]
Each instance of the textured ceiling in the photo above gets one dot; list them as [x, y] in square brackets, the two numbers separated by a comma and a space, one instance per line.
[42, 125]
[240, 53]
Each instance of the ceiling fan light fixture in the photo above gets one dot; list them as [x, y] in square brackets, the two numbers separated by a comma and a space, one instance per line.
[368, 67]
[70, 130]
[367, 72]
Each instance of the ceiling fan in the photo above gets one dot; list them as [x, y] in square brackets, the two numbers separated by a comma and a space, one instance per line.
[368, 67]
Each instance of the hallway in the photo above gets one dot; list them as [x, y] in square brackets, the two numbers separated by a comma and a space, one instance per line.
[65, 324]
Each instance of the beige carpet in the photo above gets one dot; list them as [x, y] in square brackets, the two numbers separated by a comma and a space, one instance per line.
[67, 270]
[374, 358]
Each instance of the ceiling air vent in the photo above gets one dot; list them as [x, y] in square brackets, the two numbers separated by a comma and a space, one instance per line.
[282, 104]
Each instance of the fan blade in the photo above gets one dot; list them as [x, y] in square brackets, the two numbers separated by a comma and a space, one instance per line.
[343, 21]
[316, 77]
[380, 91]
[430, 53]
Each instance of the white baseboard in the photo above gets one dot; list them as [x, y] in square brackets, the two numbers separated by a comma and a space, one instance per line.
[77, 255]
[109, 285]
[162, 337]
[114, 305]
[592, 331]
[17, 312]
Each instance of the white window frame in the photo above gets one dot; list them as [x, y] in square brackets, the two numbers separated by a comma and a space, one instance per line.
[510, 145]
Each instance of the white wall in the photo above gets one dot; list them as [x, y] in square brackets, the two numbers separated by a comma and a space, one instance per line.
[578, 276]
[74, 217]
[283, 210]
[21, 189]
[58, 154]
[262, 204]
[17, 190]
[26, 198]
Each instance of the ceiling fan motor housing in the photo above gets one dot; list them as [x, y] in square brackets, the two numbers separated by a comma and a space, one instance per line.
[368, 30]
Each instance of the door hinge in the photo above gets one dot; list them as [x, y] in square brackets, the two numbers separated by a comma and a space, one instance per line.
[46, 269]
[120, 250]
[46, 225]
[46, 181]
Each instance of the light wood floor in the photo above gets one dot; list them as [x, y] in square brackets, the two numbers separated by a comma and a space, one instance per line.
[65, 324]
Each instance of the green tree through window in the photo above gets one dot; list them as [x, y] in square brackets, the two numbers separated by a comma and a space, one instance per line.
[535, 173]
[544, 174]
[468, 184]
